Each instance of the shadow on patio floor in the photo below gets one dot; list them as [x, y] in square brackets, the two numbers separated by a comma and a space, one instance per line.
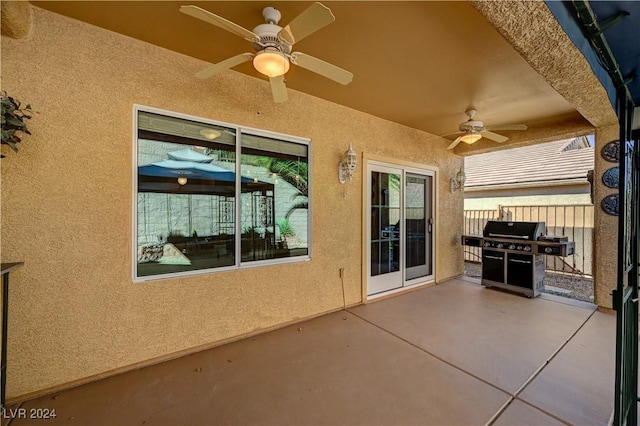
[455, 353]
[565, 285]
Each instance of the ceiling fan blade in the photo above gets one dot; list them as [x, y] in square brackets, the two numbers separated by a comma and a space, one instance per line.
[278, 89]
[321, 67]
[494, 136]
[218, 21]
[509, 127]
[449, 134]
[455, 143]
[311, 20]
[226, 64]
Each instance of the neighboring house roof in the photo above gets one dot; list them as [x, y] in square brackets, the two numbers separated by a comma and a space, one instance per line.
[553, 163]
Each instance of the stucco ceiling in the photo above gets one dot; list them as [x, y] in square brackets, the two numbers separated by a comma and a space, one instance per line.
[421, 64]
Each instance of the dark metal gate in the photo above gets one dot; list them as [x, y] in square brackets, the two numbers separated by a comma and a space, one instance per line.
[625, 296]
[581, 24]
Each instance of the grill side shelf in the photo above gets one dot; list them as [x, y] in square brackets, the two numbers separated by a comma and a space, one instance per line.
[563, 249]
[472, 240]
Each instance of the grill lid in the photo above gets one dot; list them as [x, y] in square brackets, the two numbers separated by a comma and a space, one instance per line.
[530, 231]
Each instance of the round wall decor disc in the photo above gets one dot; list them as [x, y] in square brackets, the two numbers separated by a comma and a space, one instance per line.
[611, 177]
[611, 151]
[609, 204]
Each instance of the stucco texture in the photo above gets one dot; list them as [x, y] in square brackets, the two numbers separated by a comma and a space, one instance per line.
[533, 31]
[16, 18]
[67, 207]
[605, 226]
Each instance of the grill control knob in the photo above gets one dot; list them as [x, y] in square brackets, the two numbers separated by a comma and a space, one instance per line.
[500, 245]
[548, 250]
[487, 244]
[527, 248]
[519, 247]
[512, 247]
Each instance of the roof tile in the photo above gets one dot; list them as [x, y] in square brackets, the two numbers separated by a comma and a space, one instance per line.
[535, 163]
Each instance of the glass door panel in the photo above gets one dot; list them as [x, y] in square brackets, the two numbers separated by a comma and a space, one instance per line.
[418, 227]
[385, 230]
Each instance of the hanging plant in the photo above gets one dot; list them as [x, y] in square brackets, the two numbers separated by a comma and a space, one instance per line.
[14, 115]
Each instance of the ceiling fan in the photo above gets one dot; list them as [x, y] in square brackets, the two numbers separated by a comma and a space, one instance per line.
[474, 130]
[273, 45]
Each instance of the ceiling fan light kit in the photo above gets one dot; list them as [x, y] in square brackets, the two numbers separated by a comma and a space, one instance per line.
[474, 130]
[471, 138]
[273, 45]
[271, 62]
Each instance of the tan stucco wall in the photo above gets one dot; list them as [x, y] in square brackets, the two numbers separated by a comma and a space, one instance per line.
[67, 207]
[605, 243]
[16, 18]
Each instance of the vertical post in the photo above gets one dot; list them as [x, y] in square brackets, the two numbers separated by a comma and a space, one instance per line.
[5, 318]
[625, 296]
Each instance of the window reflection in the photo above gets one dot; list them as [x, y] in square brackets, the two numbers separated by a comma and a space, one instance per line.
[186, 200]
[274, 217]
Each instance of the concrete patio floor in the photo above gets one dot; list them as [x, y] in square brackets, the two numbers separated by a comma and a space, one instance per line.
[455, 354]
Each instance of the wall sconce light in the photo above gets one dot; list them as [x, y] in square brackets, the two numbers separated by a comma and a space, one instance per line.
[182, 180]
[348, 165]
[457, 182]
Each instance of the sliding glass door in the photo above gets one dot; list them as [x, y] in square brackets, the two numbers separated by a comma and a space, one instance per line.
[399, 228]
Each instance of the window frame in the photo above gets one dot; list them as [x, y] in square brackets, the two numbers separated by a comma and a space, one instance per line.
[240, 131]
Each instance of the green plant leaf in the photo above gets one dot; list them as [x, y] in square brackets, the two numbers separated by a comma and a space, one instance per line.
[12, 145]
[16, 122]
[13, 115]
[304, 205]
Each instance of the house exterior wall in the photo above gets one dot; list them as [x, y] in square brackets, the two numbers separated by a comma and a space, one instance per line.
[67, 202]
[538, 196]
[605, 241]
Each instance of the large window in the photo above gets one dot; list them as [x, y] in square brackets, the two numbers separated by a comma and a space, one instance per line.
[213, 196]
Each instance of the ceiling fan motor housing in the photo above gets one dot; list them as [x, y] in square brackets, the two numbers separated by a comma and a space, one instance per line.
[472, 126]
[268, 34]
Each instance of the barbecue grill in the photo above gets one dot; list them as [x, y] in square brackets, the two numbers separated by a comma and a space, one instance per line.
[514, 253]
